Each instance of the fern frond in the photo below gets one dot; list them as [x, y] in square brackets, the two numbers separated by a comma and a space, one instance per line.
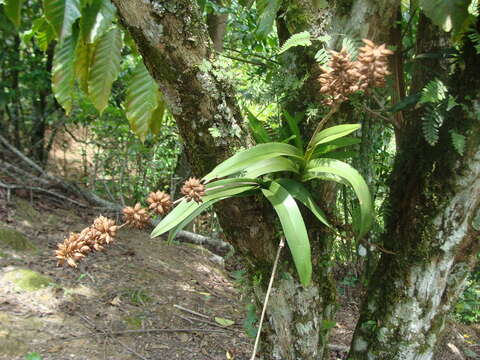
[431, 122]
[322, 56]
[299, 39]
[434, 92]
[475, 39]
[458, 141]
[351, 44]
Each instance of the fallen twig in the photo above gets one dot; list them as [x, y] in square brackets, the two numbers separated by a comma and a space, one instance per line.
[191, 311]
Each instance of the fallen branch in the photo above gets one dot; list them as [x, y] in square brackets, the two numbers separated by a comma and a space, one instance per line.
[214, 245]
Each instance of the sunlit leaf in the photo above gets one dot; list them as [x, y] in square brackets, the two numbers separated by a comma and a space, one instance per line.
[105, 67]
[267, 10]
[12, 9]
[293, 228]
[448, 14]
[83, 60]
[62, 14]
[299, 39]
[345, 174]
[63, 74]
[271, 165]
[141, 100]
[248, 157]
[96, 19]
[334, 132]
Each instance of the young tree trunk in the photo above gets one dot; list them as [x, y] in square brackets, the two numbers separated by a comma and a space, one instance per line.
[434, 228]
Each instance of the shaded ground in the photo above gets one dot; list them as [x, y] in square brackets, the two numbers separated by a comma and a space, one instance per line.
[115, 305]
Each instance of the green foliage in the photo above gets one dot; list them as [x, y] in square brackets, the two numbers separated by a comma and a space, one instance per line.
[434, 92]
[63, 73]
[467, 309]
[293, 227]
[257, 166]
[299, 39]
[61, 14]
[268, 12]
[33, 356]
[447, 14]
[475, 39]
[13, 10]
[458, 141]
[105, 67]
[141, 102]
[432, 120]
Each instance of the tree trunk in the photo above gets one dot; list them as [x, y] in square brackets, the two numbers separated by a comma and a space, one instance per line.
[434, 227]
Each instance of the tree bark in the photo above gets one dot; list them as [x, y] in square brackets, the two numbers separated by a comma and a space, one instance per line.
[434, 226]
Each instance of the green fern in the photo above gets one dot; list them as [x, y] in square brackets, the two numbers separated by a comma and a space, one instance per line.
[475, 39]
[434, 92]
[351, 44]
[458, 141]
[431, 122]
[322, 56]
[299, 39]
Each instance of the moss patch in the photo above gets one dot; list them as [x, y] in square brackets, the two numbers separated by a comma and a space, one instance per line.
[133, 322]
[26, 211]
[27, 280]
[15, 240]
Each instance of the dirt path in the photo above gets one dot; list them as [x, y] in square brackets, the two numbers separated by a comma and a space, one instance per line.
[117, 303]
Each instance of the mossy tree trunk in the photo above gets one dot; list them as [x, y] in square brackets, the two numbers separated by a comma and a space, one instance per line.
[434, 227]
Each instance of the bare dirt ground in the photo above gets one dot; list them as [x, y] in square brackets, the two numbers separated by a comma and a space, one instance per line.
[141, 299]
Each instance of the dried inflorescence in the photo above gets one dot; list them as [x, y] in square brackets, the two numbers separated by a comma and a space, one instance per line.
[344, 77]
[193, 189]
[104, 230]
[136, 217]
[160, 202]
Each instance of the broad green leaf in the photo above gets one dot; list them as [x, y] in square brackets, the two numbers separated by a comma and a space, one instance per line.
[448, 14]
[258, 131]
[344, 173]
[104, 68]
[299, 39]
[267, 10]
[201, 208]
[44, 32]
[293, 228]
[295, 130]
[334, 145]
[63, 73]
[13, 9]
[158, 114]
[83, 60]
[271, 165]
[62, 14]
[224, 322]
[301, 193]
[141, 100]
[334, 132]
[245, 158]
[96, 19]
[340, 155]
[184, 209]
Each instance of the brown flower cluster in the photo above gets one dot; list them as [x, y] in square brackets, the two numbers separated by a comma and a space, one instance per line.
[93, 238]
[193, 189]
[344, 76]
[104, 230]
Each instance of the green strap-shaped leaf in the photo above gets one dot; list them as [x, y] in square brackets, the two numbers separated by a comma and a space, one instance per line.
[271, 165]
[184, 209]
[344, 173]
[448, 14]
[294, 129]
[334, 132]
[301, 193]
[63, 74]
[105, 67]
[13, 10]
[258, 131]
[141, 100]
[293, 228]
[203, 206]
[96, 19]
[248, 157]
[62, 14]
[44, 32]
[83, 60]
[334, 145]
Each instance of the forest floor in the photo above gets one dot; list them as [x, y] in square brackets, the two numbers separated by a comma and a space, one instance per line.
[141, 299]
